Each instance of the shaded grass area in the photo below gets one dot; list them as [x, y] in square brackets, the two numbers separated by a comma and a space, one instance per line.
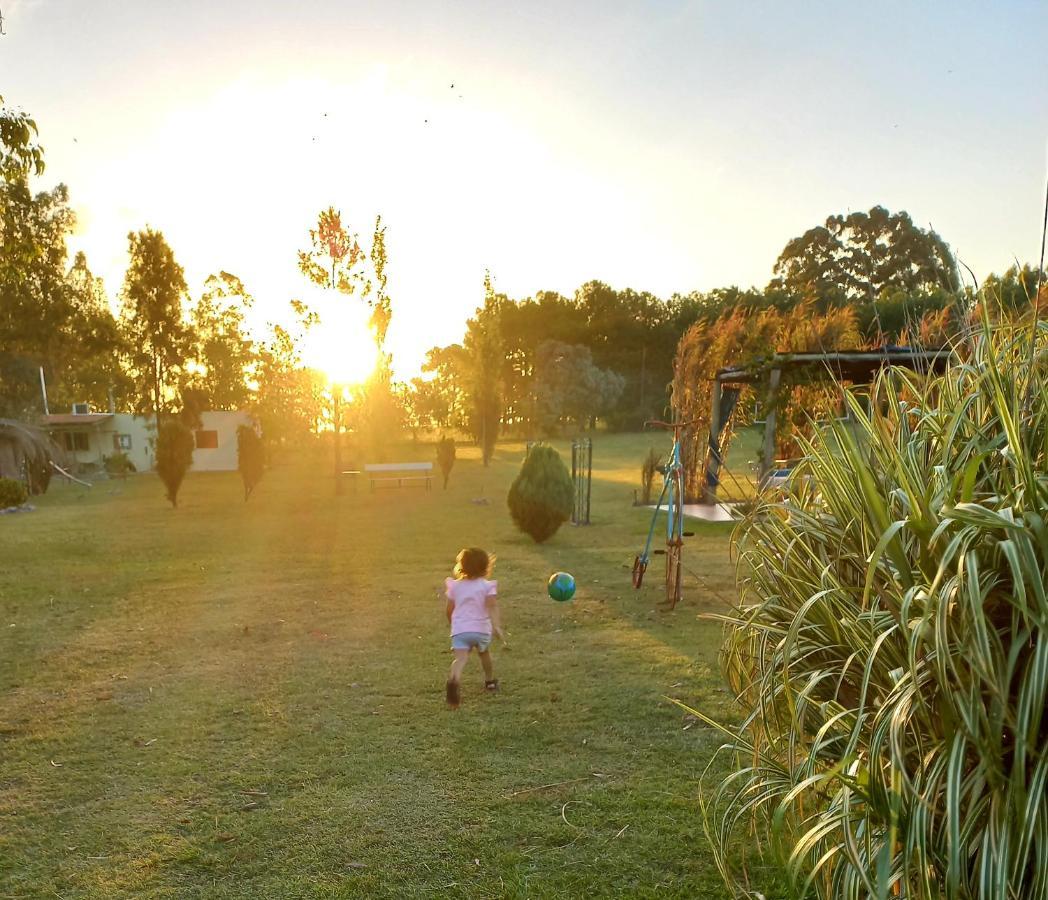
[245, 700]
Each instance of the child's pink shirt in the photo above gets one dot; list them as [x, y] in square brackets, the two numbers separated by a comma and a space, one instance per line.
[469, 595]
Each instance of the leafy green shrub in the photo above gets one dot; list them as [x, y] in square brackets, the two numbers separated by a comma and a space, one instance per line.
[174, 456]
[891, 647]
[251, 458]
[446, 457]
[119, 464]
[12, 493]
[648, 470]
[541, 495]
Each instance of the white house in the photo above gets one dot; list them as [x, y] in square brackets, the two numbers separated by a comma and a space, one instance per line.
[216, 440]
[89, 437]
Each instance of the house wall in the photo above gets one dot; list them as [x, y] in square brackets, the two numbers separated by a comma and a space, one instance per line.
[103, 441]
[140, 432]
[92, 454]
[96, 448]
[222, 428]
[215, 441]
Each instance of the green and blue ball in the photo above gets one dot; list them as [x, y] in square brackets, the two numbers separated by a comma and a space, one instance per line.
[561, 586]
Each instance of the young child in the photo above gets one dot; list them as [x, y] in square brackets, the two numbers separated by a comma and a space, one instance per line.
[473, 613]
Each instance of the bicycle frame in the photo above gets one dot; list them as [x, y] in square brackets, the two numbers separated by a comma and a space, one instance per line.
[672, 495]
[669, 473]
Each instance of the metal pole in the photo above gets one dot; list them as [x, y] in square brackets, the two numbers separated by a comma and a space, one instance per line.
[582, 482]
[43, 390]
[770, 422]
[711, 455]
[574, 483]
[583, 486]
[589, 479]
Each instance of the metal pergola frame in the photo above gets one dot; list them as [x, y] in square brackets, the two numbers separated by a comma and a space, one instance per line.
[854, 366]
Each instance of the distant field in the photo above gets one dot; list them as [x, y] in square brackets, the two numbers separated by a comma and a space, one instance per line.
[246, 700]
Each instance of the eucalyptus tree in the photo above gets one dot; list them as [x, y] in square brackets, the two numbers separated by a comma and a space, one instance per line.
[857, 256]
[484, 352]
[223, 351]
[20, 153]
[159, 339]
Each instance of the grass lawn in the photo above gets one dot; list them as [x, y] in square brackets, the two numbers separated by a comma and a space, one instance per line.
[246, 700]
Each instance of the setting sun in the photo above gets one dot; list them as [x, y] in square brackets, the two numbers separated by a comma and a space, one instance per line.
[342, 345]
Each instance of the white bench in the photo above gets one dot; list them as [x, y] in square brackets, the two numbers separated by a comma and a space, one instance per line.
[400, 473]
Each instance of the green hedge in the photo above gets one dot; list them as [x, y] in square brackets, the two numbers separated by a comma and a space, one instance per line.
[12, 493]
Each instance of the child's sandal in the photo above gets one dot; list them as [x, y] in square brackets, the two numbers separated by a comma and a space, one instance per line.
[492, 685]
[452, 694]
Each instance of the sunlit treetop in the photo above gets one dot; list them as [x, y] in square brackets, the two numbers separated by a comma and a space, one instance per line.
[20, 154]
[335, 256]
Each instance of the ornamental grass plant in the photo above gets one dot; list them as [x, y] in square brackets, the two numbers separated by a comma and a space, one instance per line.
[890, 649]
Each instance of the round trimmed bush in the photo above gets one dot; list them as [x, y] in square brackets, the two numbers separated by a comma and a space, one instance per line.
[118, 464]
[12, 493]
[541, 495]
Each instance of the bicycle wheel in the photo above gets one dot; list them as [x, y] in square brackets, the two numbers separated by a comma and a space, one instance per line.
[639, 568]
[675, 543]
[673, 574]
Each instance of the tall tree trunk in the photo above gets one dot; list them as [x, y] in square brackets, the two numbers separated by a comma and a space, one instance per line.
[643, 375]
[337, 417]
[157, 375]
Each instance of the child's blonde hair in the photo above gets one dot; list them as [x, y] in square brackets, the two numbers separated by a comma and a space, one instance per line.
[472, 562]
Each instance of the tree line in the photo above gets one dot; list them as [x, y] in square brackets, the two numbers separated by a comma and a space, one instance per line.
[163, 351]
[530, 366]
[159, 350]
[548, 362]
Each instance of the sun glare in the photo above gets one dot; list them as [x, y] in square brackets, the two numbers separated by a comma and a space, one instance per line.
[342, 346]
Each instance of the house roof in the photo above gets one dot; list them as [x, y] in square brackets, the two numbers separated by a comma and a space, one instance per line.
[850, 365]
[71, 419]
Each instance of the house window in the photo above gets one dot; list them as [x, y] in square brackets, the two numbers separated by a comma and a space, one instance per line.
[76, 440]
[121, 442]
[207, 440]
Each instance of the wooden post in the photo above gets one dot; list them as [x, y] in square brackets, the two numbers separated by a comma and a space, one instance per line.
[709, 492]
[770, 421]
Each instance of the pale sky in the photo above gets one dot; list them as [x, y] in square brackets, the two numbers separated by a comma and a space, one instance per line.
[663, 146]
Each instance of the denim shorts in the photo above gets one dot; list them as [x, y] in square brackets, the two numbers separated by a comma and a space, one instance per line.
[467, 640]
